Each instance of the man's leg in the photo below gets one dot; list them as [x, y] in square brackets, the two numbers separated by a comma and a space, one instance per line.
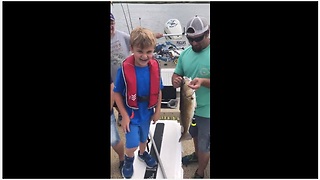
[116, 143]
[203, 147]
[119, 149]
[203, 159]
[119, 115]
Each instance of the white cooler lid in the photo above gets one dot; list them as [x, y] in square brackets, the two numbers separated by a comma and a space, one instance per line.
[170, 152]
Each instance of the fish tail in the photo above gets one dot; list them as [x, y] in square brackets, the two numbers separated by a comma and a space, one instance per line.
[185, 136]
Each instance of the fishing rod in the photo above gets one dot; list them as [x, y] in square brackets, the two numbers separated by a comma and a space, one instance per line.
[158, 156]
[129, 16]
[125, 18]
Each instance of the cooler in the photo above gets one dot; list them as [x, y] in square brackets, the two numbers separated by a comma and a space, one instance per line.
[166, 136]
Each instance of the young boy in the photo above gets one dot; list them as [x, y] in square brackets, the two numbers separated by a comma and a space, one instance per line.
[137, 93]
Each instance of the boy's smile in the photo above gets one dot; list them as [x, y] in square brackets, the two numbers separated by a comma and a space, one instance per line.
[142, 55]
[144, 59]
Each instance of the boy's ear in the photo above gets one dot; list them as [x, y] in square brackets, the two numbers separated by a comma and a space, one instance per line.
[131, 48]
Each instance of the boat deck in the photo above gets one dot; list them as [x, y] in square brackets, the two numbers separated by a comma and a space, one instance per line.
[187, 148]
[167, 114]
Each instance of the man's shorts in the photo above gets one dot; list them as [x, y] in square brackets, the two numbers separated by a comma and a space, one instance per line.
[202, 132]
[115, 137]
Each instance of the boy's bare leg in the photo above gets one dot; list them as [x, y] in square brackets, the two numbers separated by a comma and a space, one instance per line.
[130, 151]
[142, 147]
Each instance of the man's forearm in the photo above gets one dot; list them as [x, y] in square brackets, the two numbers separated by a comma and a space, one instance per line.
[205, 82]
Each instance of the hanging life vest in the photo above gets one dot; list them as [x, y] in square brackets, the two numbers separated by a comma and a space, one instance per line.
[129, 76]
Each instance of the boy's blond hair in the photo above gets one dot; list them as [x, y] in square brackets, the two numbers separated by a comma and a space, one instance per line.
[142, 38]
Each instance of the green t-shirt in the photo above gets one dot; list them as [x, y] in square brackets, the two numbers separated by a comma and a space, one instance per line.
[192, 65]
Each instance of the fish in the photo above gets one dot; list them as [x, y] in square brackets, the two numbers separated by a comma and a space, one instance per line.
[187, 107]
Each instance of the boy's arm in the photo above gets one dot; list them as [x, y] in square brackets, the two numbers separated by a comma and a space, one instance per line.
[157, 111]
[158, 107]
[118, 99]
[125, 117]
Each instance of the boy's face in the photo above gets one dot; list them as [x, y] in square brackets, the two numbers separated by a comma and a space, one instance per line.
[142, 56]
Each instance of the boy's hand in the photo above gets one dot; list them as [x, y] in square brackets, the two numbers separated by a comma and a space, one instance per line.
[155, 117]
[125, 124]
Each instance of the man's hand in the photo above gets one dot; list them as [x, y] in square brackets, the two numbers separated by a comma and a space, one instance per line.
[195, 83]
[158, 35]
[177, 82]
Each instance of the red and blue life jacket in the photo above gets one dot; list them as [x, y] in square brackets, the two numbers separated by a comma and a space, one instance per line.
[130, 80]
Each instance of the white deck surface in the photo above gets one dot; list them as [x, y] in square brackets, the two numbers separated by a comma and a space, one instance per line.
[170, 153]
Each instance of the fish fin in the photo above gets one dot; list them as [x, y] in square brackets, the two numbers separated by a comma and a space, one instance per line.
[185, 136]
[194, 98]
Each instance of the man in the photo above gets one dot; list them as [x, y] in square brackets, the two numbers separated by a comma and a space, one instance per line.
[194, 62]
[120, 49]
[115, 140]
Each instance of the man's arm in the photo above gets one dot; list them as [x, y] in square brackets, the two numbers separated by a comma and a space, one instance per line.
[111, 96]
[158, 35]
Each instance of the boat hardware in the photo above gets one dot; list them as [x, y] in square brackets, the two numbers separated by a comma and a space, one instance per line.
[172, 103]
[158, 156]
